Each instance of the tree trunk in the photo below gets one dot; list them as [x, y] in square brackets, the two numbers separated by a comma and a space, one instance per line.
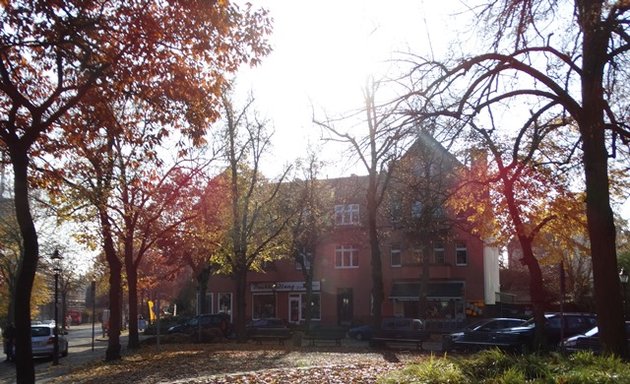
[375, 251]
[132, 281]
[308, 282]
[240, 277]
[113, 346]
[599, 215]
[536, 291]
[423, 302]
[202, 289]
[115, 291]
[26, 271]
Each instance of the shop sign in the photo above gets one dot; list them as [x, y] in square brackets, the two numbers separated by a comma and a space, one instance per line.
[283, 286]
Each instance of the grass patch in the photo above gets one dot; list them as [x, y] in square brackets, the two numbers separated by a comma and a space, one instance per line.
[496, 367]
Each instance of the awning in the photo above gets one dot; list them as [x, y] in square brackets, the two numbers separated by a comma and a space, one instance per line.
[409, 291]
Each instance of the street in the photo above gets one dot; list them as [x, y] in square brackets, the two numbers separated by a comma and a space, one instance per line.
[80, 352]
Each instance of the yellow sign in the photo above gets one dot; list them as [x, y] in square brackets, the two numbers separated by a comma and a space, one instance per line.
[152, 316]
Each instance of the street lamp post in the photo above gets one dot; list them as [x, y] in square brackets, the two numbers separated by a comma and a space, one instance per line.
[56, 259]
[623, 278]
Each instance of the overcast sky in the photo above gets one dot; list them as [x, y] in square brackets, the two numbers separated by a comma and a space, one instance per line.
[323, 52]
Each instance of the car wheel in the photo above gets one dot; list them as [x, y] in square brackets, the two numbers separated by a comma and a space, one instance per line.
[359, 336]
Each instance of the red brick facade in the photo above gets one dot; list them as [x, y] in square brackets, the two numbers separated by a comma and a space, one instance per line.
[342, 270]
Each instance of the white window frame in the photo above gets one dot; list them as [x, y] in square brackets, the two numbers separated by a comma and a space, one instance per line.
[460, 246]
[210, 302]
[305, 259]
[347, 214]
[219, 309]
[392, 251]
[340, 253]
[302, 298]
[439, 247]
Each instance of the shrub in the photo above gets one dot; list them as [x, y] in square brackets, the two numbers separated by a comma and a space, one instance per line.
[489, 363]
[496, 367]
[432, 371]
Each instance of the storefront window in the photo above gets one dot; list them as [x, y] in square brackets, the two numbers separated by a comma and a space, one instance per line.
[315, 306]
[225, 303]
[264, 306]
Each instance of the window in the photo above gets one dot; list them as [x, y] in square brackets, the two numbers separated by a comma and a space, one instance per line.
[263, 306]
[396, 256]
[395, 209]
[225, 303]
[438, 253]
[461, 253]
[416, 209]
[438, 212]
[315, 306]
[306, 257]
[346, 256]
[347, 214]
[209, 303]
[434, 170]
[416, 257]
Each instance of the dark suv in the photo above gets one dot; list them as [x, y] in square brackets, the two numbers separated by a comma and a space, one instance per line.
[521, 338]
[215, 321]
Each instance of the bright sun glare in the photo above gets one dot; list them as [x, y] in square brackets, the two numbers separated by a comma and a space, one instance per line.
[323, 54]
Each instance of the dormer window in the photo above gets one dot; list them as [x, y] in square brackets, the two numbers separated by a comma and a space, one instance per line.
[346, 214]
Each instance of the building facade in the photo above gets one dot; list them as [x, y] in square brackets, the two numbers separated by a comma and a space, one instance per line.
[421, 241]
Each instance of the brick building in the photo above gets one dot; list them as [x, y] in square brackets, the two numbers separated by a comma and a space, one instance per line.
[420, 239]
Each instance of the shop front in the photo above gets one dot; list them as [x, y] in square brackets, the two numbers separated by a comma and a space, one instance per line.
[445, 303]
[286, 300]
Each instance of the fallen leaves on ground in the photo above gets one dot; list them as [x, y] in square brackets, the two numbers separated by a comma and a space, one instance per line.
[243, 363]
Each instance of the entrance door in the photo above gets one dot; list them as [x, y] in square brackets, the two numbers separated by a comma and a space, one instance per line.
[294, 309]
[344, 306]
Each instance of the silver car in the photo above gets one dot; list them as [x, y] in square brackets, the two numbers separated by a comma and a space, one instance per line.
[43, 340]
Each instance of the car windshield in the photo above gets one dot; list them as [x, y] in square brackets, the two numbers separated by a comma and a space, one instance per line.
[40, 331]
[592, 332]
[476, 324]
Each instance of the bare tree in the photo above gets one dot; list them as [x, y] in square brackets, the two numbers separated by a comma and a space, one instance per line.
[256, 225]
[573, 75]
[311, 220]
[377, 149]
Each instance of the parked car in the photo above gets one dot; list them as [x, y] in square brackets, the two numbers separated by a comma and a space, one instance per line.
[477, 334]
[166, 323]
[361, 332]
[43, 341]
[589, 340]
[401, 329]
[220, 321]
[521, 338]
